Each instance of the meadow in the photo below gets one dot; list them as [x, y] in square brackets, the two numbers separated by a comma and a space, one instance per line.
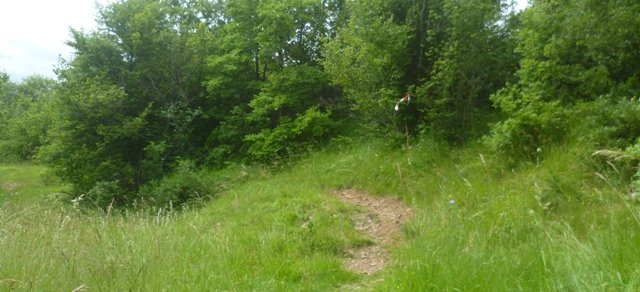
[480, 225]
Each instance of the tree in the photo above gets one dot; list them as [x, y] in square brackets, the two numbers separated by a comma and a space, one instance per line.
[166, 81]
[472, 56]
[292, 111]
[574, 52]
[131, 101]
[5, 99]
[367, 58]
[96, 138]
[261, 44]
[25, 117]
[452, 55]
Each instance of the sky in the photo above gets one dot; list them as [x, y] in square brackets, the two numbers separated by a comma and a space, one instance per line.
[33, 33]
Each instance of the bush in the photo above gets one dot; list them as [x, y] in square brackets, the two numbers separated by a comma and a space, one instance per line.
[292, 113]
[25, 117]
[103, 194]
[96, 136]
[532, 124]
[184, 185]
[611, 124]
[291, 136]
[568, 75]
[607, 122]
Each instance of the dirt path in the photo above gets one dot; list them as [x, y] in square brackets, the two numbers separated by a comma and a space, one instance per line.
[381, 221]
[10, 186]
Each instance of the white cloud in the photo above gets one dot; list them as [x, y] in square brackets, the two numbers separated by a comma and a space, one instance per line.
[34, 33]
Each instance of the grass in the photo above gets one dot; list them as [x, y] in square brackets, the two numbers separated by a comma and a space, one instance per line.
[552, 225]
[249, 239]
[24, 184]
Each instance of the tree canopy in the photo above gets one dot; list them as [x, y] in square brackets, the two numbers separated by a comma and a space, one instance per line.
[163, 86]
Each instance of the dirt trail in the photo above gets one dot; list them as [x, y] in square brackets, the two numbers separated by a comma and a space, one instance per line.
[381, 221]
[10, 186]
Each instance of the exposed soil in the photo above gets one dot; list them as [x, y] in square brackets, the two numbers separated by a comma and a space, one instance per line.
[381, 221]
[10, 186]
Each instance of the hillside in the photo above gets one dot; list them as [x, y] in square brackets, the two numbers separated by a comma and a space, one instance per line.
[403, 145]
[477, 225]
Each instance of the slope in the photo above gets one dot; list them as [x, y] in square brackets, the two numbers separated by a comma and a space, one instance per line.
[477, 225]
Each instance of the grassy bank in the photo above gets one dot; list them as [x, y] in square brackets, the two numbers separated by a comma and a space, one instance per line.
[479, 225]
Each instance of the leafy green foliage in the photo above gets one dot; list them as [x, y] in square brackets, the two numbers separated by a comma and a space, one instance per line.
[214, 81]
[293, 111]
[184, 185]
[131, 101]
[472, 55]
[96, 136]
[566, 61]
[452, 55]
[266, 82]
[102, 194]
[607, 122]
[291, 137]
[164, 81]
[25, 117]
[367, 59]
[533, 124]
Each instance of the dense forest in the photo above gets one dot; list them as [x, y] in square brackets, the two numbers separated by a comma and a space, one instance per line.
[166, 87]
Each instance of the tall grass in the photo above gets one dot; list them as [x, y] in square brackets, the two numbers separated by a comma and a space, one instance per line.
[249, 239]
[548, 225]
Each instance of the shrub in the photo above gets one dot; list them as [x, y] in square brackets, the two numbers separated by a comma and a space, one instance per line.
[611, 123]
[293, 112]
[566, 74]
[607, 122]
[103, 194]
[532, 123]
[291, 136]
[184, 185]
